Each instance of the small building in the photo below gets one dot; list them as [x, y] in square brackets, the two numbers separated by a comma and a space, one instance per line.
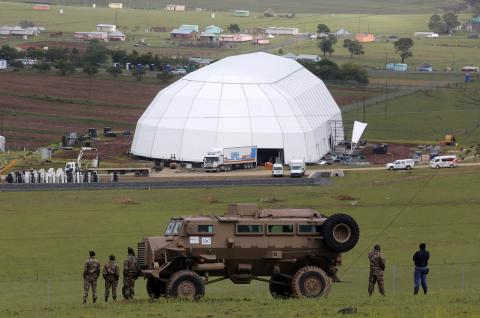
[193, 27]
[262, 41]
[235, 37]
[115, 5]
[3, 64]
[281, 31]
[179, 34]
[41, 7]
[396, 67]
[308, 57]
[422, 34]
[365, 37]
[241, 13]
[342, 33]
[425, 67]
[106, 28]
[175, 7]
[103, 36]
[116, 36]
[213, 29]
[208, 37]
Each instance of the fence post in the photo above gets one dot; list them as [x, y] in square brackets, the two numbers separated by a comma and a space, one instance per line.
[394, 279]
[49, 291]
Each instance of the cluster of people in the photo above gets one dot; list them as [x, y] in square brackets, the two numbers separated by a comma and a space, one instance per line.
[377, 268]
[111, 275]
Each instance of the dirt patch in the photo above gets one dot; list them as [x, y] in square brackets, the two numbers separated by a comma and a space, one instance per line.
[345, 197]
[209, 199]
[395, 151]
[128, 201]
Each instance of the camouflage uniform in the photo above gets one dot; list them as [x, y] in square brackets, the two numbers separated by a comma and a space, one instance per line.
[130, 271]
[377, 266]
[111, 275]
[91, 271]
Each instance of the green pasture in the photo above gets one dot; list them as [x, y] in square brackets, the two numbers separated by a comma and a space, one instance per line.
[425, 116]
[46, 236]
[280, 6]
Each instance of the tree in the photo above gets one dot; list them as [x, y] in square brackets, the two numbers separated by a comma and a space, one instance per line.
[41, 67]
[326, 46]
[8, 53]
[436, 24]
[114, 71]
[65, 67]
[322, 28]
[354, 47]
[451, 21]
[353, 72]
[96, 53]
[233, 28]
[333, 38]
[403, 46]
[90, 70]
[138, 72]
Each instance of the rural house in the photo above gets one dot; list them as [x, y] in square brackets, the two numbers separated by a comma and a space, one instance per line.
[365, 37]
[213, 29]
[281, 31]
[235, 38]
[115, 5]
[106, 27]
[425, 67]
[341, 33]
[241, 13]
[116, 36]
[175, 7]
[396, 67]
[102, 36]
[183, 34]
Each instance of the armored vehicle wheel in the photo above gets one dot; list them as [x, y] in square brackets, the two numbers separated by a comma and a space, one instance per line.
[155, 288]
[185, 284]
[340, 233]
[280, 291]
[310, 282]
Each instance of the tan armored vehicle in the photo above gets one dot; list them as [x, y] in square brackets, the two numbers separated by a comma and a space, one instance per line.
[299, 249]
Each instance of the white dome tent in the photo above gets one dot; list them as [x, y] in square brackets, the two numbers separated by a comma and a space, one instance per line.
[256, 99]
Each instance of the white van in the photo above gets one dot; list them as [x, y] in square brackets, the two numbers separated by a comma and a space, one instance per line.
[277, 170]
[406, 164]
[297, 168]
[443, 162]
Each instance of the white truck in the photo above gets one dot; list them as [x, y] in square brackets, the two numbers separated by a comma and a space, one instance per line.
[297, 168]
[277, 170]
[227, 159]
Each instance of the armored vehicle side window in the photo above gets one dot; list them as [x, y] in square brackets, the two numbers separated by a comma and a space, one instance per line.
[275, 229]
[205, 228]
[249, 229]
[308, 229]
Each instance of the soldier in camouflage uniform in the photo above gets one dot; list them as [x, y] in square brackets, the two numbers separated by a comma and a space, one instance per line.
[111, 275]
[130, 273]
[91, 271]
[377, 266]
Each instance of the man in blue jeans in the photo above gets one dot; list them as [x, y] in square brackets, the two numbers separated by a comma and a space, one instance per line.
[420, 258]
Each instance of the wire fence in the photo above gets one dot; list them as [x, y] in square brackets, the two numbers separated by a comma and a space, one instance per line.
[37, 291]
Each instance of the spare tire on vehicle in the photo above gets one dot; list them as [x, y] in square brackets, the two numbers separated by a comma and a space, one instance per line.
[340, 233]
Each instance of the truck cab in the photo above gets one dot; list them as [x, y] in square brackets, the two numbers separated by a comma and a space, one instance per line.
[213, 161]
[297, 168]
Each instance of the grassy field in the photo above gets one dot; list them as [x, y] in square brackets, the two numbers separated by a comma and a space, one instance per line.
[423, 116]
[281, 6]
[454, 51]
[46, 235]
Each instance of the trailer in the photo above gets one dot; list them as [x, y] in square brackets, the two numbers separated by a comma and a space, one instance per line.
[139, 172]
[227, 159]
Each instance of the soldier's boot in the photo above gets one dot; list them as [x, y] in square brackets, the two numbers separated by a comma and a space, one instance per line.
[425, 291]
[94, 299]
[84, 301]
[114, 298]
[106, 298]
[415, 291]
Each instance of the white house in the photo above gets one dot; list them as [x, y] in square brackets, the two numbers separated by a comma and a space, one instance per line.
[175, 7]
[106, 28]
[282, 31]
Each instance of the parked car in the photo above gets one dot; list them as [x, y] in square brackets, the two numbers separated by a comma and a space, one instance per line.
[179, 71]
[380, 149]
[401, 164]
[444, 162]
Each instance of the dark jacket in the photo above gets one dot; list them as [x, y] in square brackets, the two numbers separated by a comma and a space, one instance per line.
[421, 258]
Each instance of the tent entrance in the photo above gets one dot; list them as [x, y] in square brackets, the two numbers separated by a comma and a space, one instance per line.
[269, 155]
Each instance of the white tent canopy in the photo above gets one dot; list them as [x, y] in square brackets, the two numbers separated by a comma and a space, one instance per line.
[252, 99]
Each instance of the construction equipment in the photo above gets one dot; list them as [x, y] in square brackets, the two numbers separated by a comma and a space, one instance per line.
[173, 162]
[73, 166]
[450, 140]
